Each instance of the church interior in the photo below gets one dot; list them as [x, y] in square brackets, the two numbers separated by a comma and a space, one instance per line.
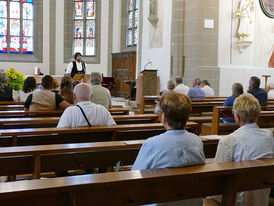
[137, 102]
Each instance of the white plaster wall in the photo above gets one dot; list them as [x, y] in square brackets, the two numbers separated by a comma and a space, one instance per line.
[236, 66]
[160, 57]
[60, 65]
[28, 68]
[116, 39]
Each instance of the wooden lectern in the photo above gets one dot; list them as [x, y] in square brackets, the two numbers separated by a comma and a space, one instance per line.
[148, 84]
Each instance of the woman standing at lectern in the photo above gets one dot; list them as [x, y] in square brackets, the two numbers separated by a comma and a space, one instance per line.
[77, 66]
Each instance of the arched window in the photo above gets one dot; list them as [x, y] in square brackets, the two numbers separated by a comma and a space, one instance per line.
[84, 26]
[16, 26]
[132, 23]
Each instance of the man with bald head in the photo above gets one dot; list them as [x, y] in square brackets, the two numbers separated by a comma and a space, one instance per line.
[85, 113]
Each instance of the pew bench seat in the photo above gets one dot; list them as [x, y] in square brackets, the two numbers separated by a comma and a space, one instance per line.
[143, 186]
[224, 129]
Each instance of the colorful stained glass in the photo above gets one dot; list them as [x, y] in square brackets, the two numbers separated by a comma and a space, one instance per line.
[27, 28]
[129, 38]
[90, 25]
[79, 10]
[90, 10]
[135, 36]
[15, 44]
[27, 45]
[90, 47]
[3, 9]
[130, 5]
[27, 11]
[14, 27]
[3, 27]
[136, 4]
[130, 19]
[3, 44]
[15, 10]
[136, 18]
[79, 28]
[78, 45]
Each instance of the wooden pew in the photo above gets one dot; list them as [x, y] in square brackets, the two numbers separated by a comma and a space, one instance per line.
[11, 103]
[143, 186]
[41, 122]
[52, 113]
[42, 136]
[199, 106]
[11, 107]
[265, 120]
[38, 159]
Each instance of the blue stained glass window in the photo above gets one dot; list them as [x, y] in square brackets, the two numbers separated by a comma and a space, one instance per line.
[16, 26]
[84, 38]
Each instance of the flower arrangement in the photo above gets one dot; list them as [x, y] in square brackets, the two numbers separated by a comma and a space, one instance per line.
[16, 79]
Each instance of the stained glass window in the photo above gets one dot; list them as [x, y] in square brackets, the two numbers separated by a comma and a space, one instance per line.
[16, 26]
[84, 38]
[132, 22]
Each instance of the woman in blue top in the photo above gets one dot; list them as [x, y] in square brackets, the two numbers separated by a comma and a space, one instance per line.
[237, 90]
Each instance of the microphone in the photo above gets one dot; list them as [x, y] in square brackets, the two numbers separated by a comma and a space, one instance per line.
[149, 63]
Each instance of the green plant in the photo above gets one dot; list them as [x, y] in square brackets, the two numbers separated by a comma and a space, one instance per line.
[16, 79]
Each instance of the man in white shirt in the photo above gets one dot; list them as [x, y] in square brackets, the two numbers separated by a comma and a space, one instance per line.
[270, 94]
[85, 113]
[180, 87]
[209, 92]
[247, 143]
[77, 66]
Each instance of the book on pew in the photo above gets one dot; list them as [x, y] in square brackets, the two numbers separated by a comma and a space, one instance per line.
[211, 137]
[133, 142]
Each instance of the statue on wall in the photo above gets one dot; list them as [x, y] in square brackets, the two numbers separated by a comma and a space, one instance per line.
[245, 13]
[153, 13]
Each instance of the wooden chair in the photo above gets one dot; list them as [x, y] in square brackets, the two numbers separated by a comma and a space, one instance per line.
[143, 186]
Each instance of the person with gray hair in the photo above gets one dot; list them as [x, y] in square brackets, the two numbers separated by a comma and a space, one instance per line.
[249, 142]
[209, 92]
[170, 87]
[100, 94]
[256, 91]
[180, 87]
[6, 93]
[196, 92]
[85, 113]
[237, 90]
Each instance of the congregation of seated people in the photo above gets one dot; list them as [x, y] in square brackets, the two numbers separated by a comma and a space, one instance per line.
[87, 105]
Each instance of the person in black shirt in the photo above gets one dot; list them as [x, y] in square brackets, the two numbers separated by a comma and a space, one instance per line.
[45, 99]
[260, 94]
[77, 66]
[6, 93]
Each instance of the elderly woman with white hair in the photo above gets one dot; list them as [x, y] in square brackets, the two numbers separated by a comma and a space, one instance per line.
[249, 142]
[85, 113]
[6, 93]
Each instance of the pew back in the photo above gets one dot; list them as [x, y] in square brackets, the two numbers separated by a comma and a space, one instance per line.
[143, 187]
